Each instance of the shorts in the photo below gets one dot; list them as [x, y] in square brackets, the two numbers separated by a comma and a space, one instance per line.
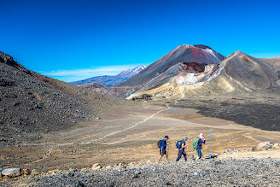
[162, 152]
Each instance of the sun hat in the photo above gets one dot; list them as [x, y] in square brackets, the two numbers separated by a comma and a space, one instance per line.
[201, 135]
[166, 137]
[185, 138]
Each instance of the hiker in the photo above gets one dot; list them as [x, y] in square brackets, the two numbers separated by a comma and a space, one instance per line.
[163, 149]
[197, 144]
[181, 146]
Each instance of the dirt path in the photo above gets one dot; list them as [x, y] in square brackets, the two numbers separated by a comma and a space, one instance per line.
[133, 126]
[130, 134]
[56, 145]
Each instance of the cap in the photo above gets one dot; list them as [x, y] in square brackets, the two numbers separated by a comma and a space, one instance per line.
[185, 138]
[166, 137]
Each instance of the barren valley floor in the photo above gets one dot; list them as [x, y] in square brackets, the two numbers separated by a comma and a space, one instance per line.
[130, 134]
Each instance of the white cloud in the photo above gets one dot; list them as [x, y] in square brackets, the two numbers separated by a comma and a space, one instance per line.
[80, 74]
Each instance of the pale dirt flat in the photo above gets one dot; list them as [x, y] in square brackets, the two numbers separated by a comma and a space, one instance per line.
[130, 135]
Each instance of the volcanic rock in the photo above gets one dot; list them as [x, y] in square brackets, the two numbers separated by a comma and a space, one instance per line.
[12, 172]
[96, 166]
[276, 146]
[237, 172]
[26, 171]
[263, 146]
[35, 172]
[7, 59]
[1, 169]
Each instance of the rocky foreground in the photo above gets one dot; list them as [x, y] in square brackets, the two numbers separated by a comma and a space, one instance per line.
[208, 172]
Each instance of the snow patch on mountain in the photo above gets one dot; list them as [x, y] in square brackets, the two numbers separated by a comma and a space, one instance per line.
[111, 81]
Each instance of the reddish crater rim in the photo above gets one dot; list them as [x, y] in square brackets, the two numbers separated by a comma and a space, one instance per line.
[202, 46]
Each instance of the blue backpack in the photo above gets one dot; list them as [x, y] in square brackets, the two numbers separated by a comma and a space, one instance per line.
[179, 144]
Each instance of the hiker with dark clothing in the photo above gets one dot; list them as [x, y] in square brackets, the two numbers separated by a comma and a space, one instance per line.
[182, 145]
[163, 149]
[199, 145]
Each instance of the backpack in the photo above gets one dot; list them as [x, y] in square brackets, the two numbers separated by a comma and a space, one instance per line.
[179, 144]
[195, 142]
[159, 143]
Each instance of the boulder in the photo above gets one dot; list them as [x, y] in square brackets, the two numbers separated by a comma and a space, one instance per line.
[276, 146]
[135, 176]
[231, 151]
[1, 169]
[191, 156]
[263, 146]
[148, 162]
[12, 172]
[132, 164]
[96, 166]
[55, 171]
[26, 171]
[218, 162]
[35, 172]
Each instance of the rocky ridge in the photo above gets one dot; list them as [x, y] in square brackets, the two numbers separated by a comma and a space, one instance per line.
[275, 64]
[211, 172]
[121, 92]
[111, 81]
[30, 102]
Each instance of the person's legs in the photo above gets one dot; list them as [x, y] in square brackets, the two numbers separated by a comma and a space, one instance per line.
[166, 157]
[161, 153]
[185, 156]
[179, 155]
[159, 158]
[198, 154]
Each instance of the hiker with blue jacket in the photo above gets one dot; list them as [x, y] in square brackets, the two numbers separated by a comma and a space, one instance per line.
[181, 146]
[163, 145]
[197, 144]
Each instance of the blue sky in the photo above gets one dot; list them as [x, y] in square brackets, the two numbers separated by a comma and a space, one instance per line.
[76, 39]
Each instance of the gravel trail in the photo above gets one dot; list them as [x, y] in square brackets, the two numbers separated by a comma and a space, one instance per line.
[214, 172]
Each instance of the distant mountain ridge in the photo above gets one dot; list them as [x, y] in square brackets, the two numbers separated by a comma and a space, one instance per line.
[199, 70]
[111, 81]
[165, 68]
[195, 70]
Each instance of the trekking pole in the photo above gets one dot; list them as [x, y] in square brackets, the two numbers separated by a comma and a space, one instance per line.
[211, 144]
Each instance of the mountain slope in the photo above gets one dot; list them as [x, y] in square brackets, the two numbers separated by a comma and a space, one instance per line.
[238, 72]
[111, 81]
[121, 92]
[249, 71]
[184, 53]
[275, 64]
[30, 102]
